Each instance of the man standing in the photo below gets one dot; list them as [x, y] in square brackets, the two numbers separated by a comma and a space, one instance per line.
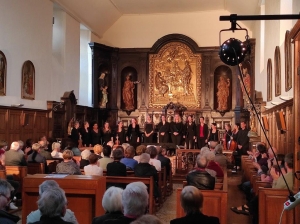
[202, 133]
[243, 139]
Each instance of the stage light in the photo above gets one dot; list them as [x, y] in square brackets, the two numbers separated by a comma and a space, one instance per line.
[232, 51]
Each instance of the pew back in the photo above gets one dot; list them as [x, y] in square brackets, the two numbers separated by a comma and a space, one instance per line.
[35, 168]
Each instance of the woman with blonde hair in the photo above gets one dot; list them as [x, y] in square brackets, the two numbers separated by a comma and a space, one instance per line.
[56, 151]
[98, 150]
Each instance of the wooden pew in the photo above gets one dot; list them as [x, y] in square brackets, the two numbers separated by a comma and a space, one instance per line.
[18, 173]
[127, 180]
[84, 195]
[52, 163]
[214, 201]
[35, 168]
[170, 182]
[271, 205]
[3, 174]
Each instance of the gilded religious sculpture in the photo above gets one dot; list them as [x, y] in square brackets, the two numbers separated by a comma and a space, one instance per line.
[175, 75]
[128, 93]
[223, 92]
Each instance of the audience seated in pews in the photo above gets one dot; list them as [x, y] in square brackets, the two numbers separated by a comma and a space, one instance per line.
[93, 168]
[106, 159]
[68, 166]
[52, 205]
[203, 150]
[56, 154]
[116, 168]
[135, 203]
[152, 151]
[36, 157]
[36, 215]
[192, 202]
[85, 158]
[200, 177]
[212, 165]
[144, 169]
[13, 157]
[98, 150]
[44, 151]
[139, 150]
[5, 198]
[112, 204]
[165, 161]
[147, 219]
[128, 160]
[220, 158]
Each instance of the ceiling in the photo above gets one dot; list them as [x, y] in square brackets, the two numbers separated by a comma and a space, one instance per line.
[99, 15]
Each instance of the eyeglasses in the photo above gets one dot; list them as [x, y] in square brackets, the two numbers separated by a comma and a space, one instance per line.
[7, 198]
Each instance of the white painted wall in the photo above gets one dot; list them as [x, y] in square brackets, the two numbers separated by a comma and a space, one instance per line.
[138, 31]
[26, 34]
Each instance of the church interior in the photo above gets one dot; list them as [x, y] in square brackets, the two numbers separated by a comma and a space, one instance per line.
[112, 61]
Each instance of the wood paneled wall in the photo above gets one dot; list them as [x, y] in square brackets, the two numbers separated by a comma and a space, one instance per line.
[282, 141]
[22, 124]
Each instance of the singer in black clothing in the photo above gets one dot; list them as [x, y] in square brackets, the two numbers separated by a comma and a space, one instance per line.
[95, 135]
[86, 135]
[133, 133]
[149, 130]
[75, 135]
[120, 136]
[163, 130]
[201, 133]
[106, 134]
[176, 128]
[190, 133]
[213, 134]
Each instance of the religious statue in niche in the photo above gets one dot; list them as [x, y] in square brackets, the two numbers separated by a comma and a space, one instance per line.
[28, 77]
[2, 74]
[103, 86]
[222, 86]
[128, 93]
[174, 76]
[245, 68]
[277, 71]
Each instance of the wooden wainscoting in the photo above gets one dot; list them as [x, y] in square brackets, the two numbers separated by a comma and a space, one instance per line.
[283, 141]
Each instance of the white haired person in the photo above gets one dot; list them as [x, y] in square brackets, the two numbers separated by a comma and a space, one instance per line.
[13, 157]
[56, 154]
[135, 203]
[85, 158]
[5, 198]
[212, 165]
[191, 200]
[36, 215]
[147, 219]
[112, 204]
[52, 205]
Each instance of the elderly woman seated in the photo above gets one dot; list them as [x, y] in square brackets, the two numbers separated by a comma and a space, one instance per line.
[128, 160]
[211, 164]
[56, 151]
[36, 215]
[68, 166]
[139, 150]
[93, 168]
[191, 200]
[5, 191]
[85, 158]
[52, 205]
[112, 204]
[152, 151]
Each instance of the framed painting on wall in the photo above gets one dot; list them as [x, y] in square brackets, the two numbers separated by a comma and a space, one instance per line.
[28, 81]
[3, 67]
[269, 80]
[288, 61]
[277, 71]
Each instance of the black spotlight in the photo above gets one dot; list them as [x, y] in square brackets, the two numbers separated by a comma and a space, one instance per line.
[232, 51]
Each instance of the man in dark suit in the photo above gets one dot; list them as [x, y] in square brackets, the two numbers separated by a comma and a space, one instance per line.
[201, 133]
[13, 157]
[192, 201]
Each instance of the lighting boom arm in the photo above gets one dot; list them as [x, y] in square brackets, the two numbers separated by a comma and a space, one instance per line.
[235, 17]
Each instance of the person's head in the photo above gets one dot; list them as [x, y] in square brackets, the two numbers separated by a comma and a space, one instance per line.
[219, 149]
[135, 199]
[42, 143]
[95, 126]
[85, 154]
[289, 161]
[140, 149]
[53, 203]
[21, 144]
[147, 219]
[159, 149]
[149, 119]
[112, 199]
[201, 119]
[212, 145]
[213, 126]
[177, 118]
[56, 146]
[28, 143]
[120, 124]
[125, 145]
[5, 191]
[271, 153]
[201, 161]
[191, 199]
[36, 147]
[152, 151]
[110, 143]
[106, 125]
[106, 150]
[43, 138]
[190, 119]
[204, 150]
[98, 149]
[275, 170]
[68, 154]
[118, 154]
[3, 145]
[262, 149]
[93, 158]
[14, 146]
[210, 156]
[144, 158]
[47, 184]
[227, 126]
[280, 158]
[237, 126]
[76, 124]
[86, 124]
[129, 152]
[243, 125]
[133, 121]
[163, 117]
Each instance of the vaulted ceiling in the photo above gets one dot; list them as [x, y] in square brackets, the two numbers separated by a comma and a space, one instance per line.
[99, 15]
